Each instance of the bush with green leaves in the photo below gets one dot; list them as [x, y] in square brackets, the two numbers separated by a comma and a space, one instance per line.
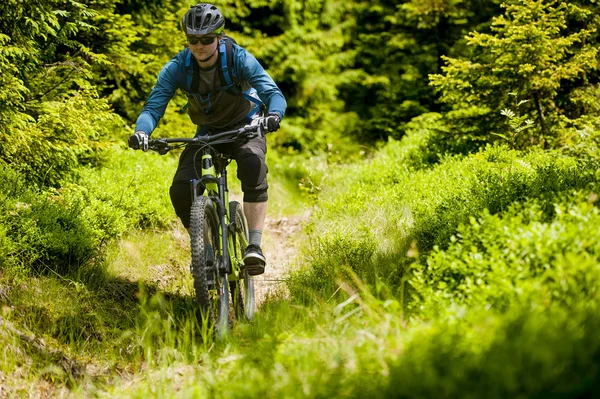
[63, 229]
[39, 228]
[492, 179]
[543, 252]
[403, 213]
[550, 352]
[51, 118]
[512, 68]
[66, 135]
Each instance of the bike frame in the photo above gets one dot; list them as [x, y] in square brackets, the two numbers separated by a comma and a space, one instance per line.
[212, 184]
[214, 179]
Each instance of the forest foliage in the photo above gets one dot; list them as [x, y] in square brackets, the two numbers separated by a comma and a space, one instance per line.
[450, 148]
[365, 65]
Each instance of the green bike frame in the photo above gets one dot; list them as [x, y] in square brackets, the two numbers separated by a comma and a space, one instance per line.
[214, 181]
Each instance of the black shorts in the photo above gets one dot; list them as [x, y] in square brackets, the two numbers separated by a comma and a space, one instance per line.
[252, 172]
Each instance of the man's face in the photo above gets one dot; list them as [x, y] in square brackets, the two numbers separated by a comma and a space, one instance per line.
[203, 46]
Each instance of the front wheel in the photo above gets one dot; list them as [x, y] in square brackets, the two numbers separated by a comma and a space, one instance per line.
[242, 290]
[211, 286]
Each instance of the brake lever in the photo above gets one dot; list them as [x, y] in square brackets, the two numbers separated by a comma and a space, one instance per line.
[163, 150]
[259, 132]
[162, 147]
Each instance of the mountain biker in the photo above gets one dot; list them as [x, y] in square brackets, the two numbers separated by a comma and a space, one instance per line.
[213, 108]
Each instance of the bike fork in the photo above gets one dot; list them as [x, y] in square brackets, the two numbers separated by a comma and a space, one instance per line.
[209, 254]
[224, 200]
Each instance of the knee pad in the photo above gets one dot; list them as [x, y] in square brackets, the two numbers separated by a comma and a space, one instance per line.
[252, 169]
[252, 172]
[260, 195]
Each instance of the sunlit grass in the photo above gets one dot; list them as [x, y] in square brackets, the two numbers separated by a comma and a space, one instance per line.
[160, 257]
[342, 327]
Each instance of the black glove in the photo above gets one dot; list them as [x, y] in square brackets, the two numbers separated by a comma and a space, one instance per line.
[138, 141]
[271, 122]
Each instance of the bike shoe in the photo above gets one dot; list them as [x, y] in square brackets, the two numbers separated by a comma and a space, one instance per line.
[254, 260]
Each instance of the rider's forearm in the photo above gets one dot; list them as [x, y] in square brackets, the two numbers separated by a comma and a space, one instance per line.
[153, 110]
[272, 97]
[277, 104]
[145, 123]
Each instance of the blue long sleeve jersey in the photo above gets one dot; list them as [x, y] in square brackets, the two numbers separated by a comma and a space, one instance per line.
[177, 74]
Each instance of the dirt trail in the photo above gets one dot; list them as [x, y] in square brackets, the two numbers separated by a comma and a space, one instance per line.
[280, 247]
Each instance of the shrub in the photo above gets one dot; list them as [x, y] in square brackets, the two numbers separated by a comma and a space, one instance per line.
[62, 229]
[511, 68]
[410, 213]
[548, 353]
[66, 135]
[522, 255]
[41, 229]
[492, 179]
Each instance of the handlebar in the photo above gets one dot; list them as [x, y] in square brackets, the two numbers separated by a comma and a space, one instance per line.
[162, 146]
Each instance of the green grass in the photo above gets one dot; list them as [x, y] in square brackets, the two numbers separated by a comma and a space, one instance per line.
[473, 277]
[126, 305]
[105, 316]
[317, 352]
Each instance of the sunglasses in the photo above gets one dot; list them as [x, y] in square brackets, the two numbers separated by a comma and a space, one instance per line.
[204, 40]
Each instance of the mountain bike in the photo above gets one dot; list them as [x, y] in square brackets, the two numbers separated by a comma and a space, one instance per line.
[218, 231]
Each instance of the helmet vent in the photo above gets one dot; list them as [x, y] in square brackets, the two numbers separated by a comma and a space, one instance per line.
[202, 19]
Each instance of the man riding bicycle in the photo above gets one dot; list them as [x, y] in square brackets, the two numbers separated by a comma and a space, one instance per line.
[218, 102]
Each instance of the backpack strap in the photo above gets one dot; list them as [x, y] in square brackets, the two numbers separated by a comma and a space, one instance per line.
[190, 67]
[229, 77]
[226, 60]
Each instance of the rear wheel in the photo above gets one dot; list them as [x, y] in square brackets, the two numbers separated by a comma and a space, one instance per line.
[242, 290]
[212, 288]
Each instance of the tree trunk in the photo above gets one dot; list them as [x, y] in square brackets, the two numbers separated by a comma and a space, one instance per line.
[541, 117]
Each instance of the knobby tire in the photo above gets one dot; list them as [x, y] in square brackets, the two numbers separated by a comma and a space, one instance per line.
[206, 252]
[242, 291]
